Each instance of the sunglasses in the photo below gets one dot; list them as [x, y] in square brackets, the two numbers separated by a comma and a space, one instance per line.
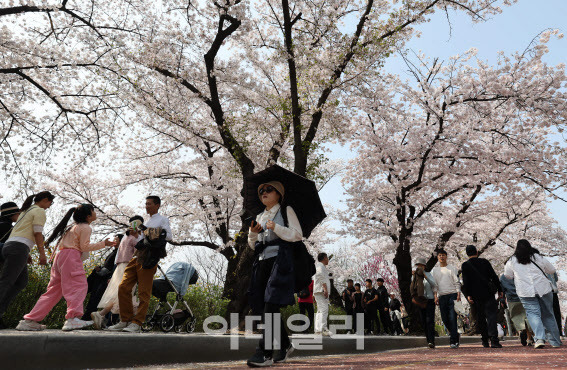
[267, 189]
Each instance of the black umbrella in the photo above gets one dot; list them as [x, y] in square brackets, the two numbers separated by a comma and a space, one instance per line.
[300, 193]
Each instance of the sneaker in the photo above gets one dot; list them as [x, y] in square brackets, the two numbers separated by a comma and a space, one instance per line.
[29, 325]
[119, 327]
[524, 338]
[326, 333]
[283, 355]
[539, 344]
[556, 345]
[97, 320]
[259, 359]
[431, 345]
[495, 344]
[530, 343]
[132, 328]
[454, 345]
[75, 323]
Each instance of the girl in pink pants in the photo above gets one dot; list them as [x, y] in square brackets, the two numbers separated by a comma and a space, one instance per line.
[68, 278]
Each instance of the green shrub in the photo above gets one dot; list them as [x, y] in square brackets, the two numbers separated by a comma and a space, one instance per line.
[204, 301]
[26, 300]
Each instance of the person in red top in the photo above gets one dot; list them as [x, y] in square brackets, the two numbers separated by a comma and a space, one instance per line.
[306, 304]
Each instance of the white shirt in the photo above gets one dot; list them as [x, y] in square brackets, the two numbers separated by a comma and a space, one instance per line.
[321, 277]
[292, 233]
[529, 280]
[158, 220]
[447, 280]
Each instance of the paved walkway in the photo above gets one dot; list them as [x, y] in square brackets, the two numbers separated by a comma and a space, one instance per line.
[512, 356]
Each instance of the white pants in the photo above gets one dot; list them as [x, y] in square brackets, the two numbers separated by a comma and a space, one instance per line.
[322, 312]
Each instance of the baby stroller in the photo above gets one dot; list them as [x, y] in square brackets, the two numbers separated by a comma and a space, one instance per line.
[177, 279]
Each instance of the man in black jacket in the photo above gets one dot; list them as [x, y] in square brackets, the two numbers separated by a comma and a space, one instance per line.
[480, 284]
[98, 280]
[384, 306]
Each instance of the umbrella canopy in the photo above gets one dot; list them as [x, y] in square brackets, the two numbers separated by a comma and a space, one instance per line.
[300, 193]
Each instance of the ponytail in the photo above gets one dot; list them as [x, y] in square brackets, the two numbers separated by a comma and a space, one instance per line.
[34, 198]
[27, 203]
[60, 228]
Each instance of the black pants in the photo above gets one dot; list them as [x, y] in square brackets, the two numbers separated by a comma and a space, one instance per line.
[427, 315]
[307, 307]
[350, 312]
[557, 311]
[385, 319]
[14, 276]
[262, 276]
[97, 286]
[371, 317]
[486, 317]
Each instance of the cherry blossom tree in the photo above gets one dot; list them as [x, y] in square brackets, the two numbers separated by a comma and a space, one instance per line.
[210, 92]
[463, 144]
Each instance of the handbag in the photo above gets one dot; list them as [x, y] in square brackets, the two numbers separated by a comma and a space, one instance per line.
[421, 303]
[546, 276]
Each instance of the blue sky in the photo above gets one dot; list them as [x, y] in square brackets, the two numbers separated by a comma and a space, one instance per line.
[510, 31]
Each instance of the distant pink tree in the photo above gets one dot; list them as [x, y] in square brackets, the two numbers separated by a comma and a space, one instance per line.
[377, 267]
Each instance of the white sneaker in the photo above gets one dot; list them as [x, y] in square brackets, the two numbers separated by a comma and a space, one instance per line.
[97, 320]
[28, 325]
[132, 328]
[539, 344]
[75, 323]
[118, 327]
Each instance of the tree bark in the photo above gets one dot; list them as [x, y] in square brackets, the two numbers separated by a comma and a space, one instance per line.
[402, 261]
[238, 274]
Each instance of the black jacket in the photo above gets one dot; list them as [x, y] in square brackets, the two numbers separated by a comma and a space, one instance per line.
[383, 297]
[395, 305]
[477, 273]
[151, 251]
[5, 229]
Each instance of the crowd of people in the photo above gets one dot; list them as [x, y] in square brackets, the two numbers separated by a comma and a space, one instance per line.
[276, 233]
[527, 288]
[131, 264]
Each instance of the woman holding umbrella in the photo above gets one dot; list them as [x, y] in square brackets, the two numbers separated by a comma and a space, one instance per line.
[272, 283]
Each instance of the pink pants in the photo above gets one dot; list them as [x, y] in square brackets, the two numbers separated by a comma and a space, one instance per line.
[67, 280]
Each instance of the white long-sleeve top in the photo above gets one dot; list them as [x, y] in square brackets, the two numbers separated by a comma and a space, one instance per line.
[158, 220]
[447, 280]
[529, 280]
[292, 233]
[321, 277]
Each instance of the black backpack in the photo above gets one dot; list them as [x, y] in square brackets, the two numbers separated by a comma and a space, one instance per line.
[304, 293]
[303, 262]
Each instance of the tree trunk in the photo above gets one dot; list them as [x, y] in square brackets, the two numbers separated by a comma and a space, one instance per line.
[402, 261]
[238, 274]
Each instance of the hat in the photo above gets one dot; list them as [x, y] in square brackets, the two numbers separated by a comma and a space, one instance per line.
[9, 209]
[276, 185]
[471, 250]
[420, 261]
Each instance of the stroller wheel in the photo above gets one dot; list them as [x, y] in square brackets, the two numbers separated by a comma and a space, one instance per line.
[190, 327]
[166, 323]
[148, 326]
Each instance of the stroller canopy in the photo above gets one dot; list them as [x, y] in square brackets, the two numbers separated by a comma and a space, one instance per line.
[180, 273]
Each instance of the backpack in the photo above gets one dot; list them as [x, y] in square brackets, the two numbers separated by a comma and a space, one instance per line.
[303, 262]
[304, 293]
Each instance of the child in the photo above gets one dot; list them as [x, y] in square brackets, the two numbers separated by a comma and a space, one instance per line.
[109, 301]
[68, 278]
